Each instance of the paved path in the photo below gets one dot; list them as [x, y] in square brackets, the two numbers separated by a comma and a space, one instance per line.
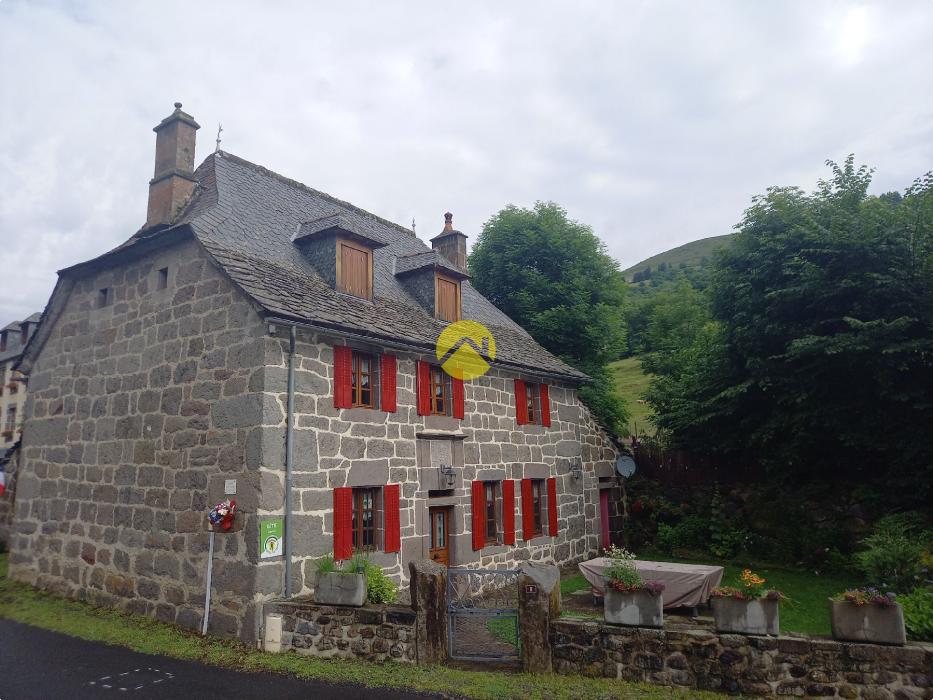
[39, 665]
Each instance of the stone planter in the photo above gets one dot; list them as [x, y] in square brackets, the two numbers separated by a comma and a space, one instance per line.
[878, 624]
[340, 589]
[638, 609]
[747, 616]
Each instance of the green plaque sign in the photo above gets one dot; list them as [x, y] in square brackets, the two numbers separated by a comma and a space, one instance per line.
[270, 538]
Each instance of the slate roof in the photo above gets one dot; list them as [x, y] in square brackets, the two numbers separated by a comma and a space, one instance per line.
[246, 217]
[13, 346]
[406, 264]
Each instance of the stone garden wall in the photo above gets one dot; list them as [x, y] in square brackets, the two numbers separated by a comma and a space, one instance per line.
[372, 633]
[752, 666]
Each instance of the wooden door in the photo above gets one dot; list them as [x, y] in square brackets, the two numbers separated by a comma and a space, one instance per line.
[440, 535]
[604, 517]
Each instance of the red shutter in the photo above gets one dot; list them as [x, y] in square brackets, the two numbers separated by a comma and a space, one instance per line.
[508, 511]
[392, 537]
[343, 523]
[545, 407]
[479, 511]
[424, 388]
[343, 376]
[552, 507]
[521, 403]
[387, 383]
[528, 528]
[458, 397]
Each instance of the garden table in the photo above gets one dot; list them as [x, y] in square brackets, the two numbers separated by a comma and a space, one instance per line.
[685, 585]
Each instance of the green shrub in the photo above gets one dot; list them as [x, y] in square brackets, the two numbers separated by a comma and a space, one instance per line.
[690, 533]
[918, 613]
[326, 565]
[892, 557]
[379, 587]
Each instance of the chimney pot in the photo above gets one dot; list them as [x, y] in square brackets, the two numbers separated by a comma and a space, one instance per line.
[173, 179]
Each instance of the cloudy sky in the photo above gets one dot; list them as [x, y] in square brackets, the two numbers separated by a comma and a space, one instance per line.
[654, 122]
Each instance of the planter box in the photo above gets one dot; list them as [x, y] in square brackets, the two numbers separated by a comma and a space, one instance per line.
[879, 624]
[638, 609]
[340, 589]
[747, 616]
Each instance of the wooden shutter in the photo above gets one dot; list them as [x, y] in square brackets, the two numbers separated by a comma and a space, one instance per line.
[508, 511]
[478, 515]
[528, 505]
[552, 507]
[457, 390]
[392, 536]
[447, 307]
[343, 523]
[424, 388]
[343, 376]
[387, 382]
[521, 403]
[545, 406]
[354, 276]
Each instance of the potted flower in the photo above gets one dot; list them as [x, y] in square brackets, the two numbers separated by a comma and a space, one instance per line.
[867, 615]
[748, 608]
[628, 599]
[341, 583]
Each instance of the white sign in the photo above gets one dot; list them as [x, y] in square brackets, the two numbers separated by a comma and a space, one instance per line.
[230, 487]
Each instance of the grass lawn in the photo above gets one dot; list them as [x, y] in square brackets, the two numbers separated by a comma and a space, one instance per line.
[806, 610]
[631, 384]
[24, 604]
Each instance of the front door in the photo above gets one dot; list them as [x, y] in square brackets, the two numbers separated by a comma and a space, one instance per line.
[440, 535]
[604, 518]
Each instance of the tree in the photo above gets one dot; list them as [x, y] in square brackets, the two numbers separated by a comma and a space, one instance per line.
[553, 277]
[820, 357]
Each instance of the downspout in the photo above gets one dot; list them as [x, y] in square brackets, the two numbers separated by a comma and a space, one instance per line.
[289, 459]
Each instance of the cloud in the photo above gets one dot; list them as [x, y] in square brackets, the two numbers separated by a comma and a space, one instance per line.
[653, 122]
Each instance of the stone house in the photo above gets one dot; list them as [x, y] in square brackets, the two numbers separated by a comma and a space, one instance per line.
[262, 337]
[13, 339]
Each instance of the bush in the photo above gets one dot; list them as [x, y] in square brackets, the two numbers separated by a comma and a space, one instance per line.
[690, 533]
[379, 587]
[918, 613]
[892, 557]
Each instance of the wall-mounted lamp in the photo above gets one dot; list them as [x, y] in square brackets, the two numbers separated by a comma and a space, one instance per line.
[447, 472]
[576, 468]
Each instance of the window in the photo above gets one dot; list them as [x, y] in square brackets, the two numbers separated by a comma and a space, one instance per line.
[2, 341]
[104, 297]
[532, 403]
[537, 506]
[162, 279]
[23, 334]
[363, 380]
[490, 512]
[364, 519]
[532, 393]
[439, 393]
[354, 269]
[446, 298]
[10, 424]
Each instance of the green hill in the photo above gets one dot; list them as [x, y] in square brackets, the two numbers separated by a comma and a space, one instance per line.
[631, 383]
[690, 254]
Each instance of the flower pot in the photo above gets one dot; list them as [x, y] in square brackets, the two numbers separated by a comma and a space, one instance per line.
[760, 616]
[638, 609]
[879, 624]
[340, 589]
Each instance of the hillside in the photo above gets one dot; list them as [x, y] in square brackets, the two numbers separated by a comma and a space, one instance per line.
[631, 383]
[690, 253]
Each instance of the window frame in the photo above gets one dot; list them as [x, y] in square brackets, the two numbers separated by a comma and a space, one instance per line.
[340, 273]
[356, 385]
[538, 494]
[533, 402]
[358, 511]
[491, 505]
[162, 279]
[458, 308]
[104, 297]
[446, 391]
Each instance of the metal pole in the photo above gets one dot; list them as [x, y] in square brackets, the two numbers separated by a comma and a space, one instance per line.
[289, 459]
[210, 570]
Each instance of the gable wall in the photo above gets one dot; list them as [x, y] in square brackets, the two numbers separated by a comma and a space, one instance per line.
[136, 414]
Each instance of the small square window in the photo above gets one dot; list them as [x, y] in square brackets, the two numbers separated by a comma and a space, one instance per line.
[104, 297]
[162, 279]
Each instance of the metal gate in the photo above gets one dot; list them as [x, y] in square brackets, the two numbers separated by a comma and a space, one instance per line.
[482, 614]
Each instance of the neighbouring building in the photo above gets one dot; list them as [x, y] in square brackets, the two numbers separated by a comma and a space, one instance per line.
[13, 339]
[260, 336]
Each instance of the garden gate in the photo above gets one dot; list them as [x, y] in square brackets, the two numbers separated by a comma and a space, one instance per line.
[482, 611]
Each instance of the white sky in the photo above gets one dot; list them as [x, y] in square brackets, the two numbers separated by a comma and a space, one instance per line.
[654, 122]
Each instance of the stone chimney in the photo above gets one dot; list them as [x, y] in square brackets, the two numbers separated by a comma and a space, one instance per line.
[451, 243]
[173, 181]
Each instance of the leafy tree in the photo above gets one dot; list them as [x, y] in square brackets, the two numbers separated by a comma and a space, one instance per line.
[821, 354]
[553, 276]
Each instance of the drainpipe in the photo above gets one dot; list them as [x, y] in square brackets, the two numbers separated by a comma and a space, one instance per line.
[289, 459]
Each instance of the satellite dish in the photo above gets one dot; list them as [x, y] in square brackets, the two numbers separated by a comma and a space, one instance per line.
[625, 466]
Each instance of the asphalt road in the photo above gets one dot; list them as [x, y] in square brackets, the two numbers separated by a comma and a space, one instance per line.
[39, 665]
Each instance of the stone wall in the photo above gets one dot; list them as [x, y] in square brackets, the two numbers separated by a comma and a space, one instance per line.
[137, 413]
[8, 500]
[373, 633]
[752, 666]
[369, 447]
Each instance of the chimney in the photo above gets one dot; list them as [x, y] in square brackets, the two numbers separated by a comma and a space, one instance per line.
[173, 181]
[451, 243]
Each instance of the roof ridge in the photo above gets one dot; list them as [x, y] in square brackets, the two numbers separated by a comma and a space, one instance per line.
[300, 185]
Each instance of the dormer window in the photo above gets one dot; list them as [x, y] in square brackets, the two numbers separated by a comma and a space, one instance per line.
[446, 298]
[354, 269]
